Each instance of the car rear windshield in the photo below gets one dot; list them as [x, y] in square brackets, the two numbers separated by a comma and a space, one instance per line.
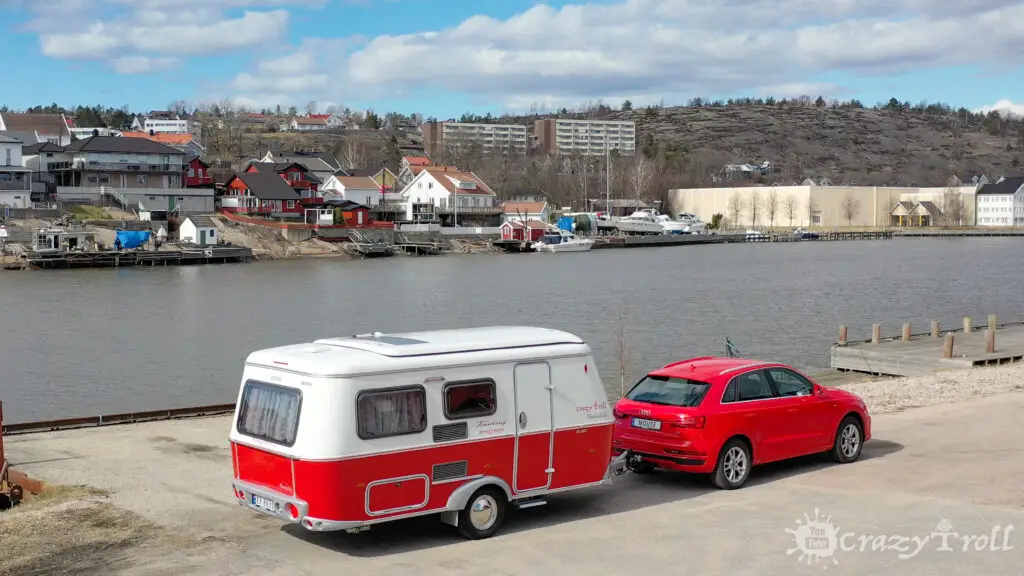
[270, 412]
[669, 391]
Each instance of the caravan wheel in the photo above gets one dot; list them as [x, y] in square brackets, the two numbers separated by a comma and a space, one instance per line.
[484, 513]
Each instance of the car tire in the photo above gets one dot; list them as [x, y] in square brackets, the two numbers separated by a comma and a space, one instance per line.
[849, 441]
[733, 467]
[483, 514]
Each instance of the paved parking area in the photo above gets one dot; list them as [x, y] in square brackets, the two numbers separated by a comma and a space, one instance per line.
[933, 479]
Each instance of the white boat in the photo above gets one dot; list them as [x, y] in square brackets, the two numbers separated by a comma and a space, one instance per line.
[640, 222]
[693, 223]
[562, 241]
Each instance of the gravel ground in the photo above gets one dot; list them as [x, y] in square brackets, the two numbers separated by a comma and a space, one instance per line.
[898, 394]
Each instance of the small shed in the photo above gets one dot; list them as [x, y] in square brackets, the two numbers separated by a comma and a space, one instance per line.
[514, 230]
[199, 230]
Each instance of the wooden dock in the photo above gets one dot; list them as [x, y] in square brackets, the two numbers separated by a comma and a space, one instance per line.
[918, 354]
[130, 258]
[602, 242]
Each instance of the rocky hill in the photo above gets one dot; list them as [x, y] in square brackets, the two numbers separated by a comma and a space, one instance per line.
[865, 146]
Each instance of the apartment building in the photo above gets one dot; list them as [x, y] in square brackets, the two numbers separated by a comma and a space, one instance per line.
[585, 137]
[490, 137]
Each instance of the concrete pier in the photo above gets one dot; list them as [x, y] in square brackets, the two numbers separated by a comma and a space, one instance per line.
[918, 354]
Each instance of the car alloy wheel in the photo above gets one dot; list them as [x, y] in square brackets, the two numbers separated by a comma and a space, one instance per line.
[733, 468]
[849, 441]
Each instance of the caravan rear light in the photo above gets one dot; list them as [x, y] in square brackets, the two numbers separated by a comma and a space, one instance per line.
[293, 512]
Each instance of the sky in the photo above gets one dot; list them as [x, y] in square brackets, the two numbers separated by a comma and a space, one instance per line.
[446, 58]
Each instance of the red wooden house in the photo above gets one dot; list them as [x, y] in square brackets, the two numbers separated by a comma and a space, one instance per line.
[298, 176]
[515, 230]
[197, 174]
[261, 193]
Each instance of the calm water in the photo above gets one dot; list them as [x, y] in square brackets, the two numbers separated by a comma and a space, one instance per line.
[86, 342]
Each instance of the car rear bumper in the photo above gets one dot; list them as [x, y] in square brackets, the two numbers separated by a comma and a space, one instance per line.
[689, 456]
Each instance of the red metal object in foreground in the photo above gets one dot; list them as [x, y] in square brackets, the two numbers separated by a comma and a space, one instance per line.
[2, 458]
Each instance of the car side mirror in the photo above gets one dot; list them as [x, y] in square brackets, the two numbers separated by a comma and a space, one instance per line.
[818, 390]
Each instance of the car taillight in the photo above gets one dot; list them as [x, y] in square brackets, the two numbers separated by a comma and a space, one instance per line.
[617, 413]
[687, 421]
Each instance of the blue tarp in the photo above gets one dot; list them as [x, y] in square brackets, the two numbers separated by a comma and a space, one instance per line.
[132, 238]
[566, 223]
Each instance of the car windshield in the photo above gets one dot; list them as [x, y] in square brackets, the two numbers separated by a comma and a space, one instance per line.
[668, 391]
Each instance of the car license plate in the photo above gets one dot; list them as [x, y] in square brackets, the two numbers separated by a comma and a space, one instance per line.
[263, 503]
[646, 424]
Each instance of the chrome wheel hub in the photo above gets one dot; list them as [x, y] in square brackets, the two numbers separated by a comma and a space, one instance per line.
[484, 512]
[849, 441]
[735, 465]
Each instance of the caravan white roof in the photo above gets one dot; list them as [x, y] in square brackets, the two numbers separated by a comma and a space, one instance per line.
[368, 353]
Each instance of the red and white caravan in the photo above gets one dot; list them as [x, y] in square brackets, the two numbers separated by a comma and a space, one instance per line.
[344, 433]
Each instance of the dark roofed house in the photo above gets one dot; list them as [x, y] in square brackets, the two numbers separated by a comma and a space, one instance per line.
[125, 163]
[1000, 203]
[298, 176]
[264, 193]
[49, 127]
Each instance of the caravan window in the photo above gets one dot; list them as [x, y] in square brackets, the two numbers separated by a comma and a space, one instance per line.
[270, 412]
[394, 412]
[470, 399]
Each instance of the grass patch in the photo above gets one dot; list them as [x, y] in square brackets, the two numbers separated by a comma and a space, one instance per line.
[86, 212]
[70, 530]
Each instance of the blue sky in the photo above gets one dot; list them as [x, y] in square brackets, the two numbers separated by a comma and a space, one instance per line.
[445, 58]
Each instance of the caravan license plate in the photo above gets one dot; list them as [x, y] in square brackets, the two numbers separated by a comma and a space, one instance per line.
[263, 503]
[646, 424]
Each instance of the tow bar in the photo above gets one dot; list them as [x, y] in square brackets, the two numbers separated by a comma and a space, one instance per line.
[623, 463]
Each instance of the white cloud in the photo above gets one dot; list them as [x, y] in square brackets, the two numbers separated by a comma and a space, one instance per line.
[647, 50]
[143, 64]
[160, 32]
[1005, 108]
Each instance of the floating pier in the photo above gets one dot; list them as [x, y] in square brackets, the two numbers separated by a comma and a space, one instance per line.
[129, 258]
[921, 353]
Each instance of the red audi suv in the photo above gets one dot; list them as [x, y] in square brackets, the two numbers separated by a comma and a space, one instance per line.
[722, 416]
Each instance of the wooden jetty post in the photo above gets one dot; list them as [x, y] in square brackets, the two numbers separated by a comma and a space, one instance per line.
[906, 331]
[947, 346]
[992, 322]
[935, 329]
[842, 335]
[968, 325]
[876, 333]
[990, 341]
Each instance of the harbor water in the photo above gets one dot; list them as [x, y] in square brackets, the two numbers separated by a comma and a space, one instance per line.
[88, 342]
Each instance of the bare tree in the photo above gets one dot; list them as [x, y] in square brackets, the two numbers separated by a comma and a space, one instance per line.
[849, 207]
[771, 206]
[754, 205]
[640, 175]
[789, 205]
[353, 153]
[953, 207]
[623, 349]
[332, 110]
[735, 209]
[311, 107]
[812, 209]
[180, 108]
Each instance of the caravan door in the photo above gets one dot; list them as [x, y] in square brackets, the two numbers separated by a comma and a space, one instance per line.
[534, 427]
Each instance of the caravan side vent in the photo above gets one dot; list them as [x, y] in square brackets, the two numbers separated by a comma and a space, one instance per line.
[450, 470]
[449, 432]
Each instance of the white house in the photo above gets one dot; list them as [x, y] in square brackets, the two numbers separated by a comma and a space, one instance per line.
[15, 179]
[442, 190]
[518, 211]
[47, 127]
[1000, 204]
[160, 124]
[198, 230]
[360, 189]
[306, 124]
[95, 131]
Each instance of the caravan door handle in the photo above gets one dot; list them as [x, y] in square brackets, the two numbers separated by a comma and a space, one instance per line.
[522, 419]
